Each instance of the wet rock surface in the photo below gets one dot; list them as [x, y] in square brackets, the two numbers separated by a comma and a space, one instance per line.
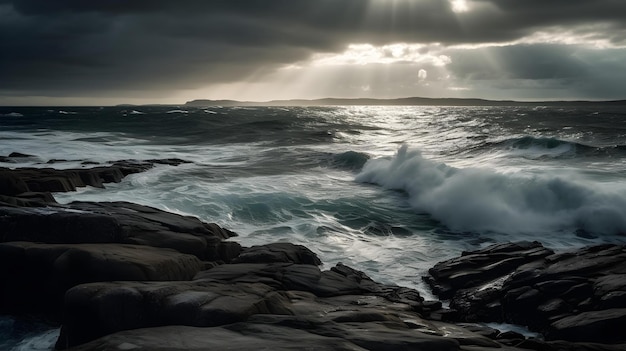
[16, 182]
[35, 276]
[123, 276]
[574, 296]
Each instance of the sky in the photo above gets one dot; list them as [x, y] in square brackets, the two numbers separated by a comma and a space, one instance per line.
[101, 52]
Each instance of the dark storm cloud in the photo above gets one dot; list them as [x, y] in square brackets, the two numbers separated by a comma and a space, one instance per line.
[535, 62]
[557, 71]
[85, 47]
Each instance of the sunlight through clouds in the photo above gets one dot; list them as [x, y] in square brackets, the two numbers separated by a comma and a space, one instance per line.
[459, 6]
[363, 54]
[422, 74]
[590, 36]
[247, 49]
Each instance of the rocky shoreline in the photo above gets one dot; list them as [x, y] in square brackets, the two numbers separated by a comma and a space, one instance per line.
[118, 275]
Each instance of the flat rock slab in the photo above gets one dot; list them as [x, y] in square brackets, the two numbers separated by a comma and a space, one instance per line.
[278, 252]
[575, 296]
[27, 269]
[339, 280]
[16, 181]
[117, 222]
[182, 338]
[225, 294]
[284, 276]
[258, 317]
[145, 225]
[56, 224]
[97, 309]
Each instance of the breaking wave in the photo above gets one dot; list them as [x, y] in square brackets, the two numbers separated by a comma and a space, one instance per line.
[544, 146]
[475, 199]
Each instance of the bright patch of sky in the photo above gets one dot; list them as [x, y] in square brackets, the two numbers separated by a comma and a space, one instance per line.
[459, 6]
[363, 54]
[162, 51]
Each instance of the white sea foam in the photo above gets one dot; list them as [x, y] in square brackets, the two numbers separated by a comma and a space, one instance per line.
[538, 151]
[474, 199]
[38, 342]
[12, 114]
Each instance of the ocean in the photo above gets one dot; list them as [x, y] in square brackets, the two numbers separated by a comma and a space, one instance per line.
[389, 190]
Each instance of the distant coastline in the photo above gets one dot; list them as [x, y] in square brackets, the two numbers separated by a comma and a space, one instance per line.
[409, 101]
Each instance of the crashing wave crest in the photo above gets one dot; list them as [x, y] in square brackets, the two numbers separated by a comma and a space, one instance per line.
[475, 199]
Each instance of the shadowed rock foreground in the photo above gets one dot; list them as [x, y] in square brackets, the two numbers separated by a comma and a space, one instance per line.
[577, 296]
[119, 275]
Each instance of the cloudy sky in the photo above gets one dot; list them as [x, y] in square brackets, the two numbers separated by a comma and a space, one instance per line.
[163, 51]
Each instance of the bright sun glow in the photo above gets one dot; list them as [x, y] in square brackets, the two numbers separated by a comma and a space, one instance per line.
[459, 6]
[363, 54]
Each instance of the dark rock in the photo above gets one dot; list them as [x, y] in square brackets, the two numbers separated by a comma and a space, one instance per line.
[510, 335]
[15, 157]
[278, 252]
[554, 307]
[270, 317]
[84, 222]
[16, 181]
[485, 331]
[218, 338]
[19, 155]
[594, 261]
[233, 293]
[614, 299]
[594, 326]
[478, 305]
[11, 184]
[519, 305]
[431, 305]
[115, 174]
[444, 315]
[255, 336]
[144, 225]
[606, 284]
[28, 269]
[561, 345]
[121, 222]
[55, 160]
[286, 276]
[28, 199]
[53, 184]
[225, 250]
[169, 161]
[577, 296]
[94, 310]
[58, 225]
[482, 266]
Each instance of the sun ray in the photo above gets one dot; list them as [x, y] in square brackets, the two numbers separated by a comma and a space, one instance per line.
[459, 6]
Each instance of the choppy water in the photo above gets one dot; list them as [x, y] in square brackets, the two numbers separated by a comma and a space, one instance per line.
[388, 190]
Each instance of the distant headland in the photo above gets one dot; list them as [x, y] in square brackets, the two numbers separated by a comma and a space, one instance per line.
[409, 101]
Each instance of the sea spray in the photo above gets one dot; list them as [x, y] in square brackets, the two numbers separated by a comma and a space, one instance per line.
[476, 199]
